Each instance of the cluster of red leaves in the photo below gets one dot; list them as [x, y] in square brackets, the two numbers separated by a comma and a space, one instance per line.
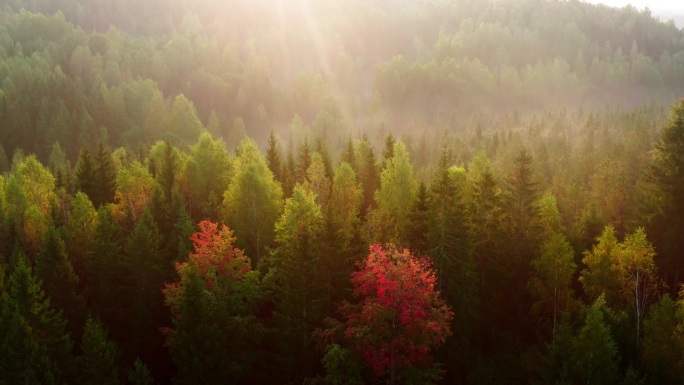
[400, 317]
[215, 259]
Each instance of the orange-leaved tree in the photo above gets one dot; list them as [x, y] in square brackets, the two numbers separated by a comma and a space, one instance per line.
[212, 308]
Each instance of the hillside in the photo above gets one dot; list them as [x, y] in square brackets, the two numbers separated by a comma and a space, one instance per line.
[329, 192]
[101, 69]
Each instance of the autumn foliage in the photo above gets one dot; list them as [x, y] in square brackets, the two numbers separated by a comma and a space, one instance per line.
[399, 318]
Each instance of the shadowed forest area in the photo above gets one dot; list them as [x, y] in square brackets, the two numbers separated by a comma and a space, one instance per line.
[340, 192]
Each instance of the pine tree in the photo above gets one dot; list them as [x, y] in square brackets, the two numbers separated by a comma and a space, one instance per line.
[34, 348]
[524, 212]
[60, 282]
[85, 174]
[252, 202]
[388, 151]
[105, 177]
[303, 161]
[369, 176]
[302, 300]
[214, 333]
[144, 274]
[349, 155]
[103, 271]
[98, 363]
[664, 201]
[273, 157]
[391, 222]
[139, 374]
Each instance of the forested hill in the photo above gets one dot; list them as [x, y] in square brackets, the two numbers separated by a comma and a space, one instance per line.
[329, 192]
[130, 72]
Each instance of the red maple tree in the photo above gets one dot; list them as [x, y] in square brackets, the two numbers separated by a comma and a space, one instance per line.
[400, 317]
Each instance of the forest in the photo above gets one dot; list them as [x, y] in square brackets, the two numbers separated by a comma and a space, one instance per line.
[329, 192]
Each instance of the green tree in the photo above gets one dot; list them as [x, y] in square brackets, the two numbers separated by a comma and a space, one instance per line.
[60, 282]
[665, 213]
[524, 211]
[80, 231]
[273, 157]
[184, 122]
[34, 347]
[214, 332]
[99, 360]
[253, 201]
[144, 273]
[103, 271]
[595, 353]
[104, 176]
[398, 187]
[662, 341]
[139, 374]
[85, 174]
[600, 275]
[302, 300]
[369, 176]
[303, 161]
[551, 283]
[637, 274]
[205, 177]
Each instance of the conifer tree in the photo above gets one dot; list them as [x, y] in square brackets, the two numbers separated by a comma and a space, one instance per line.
[99, 360]
[252, 202]
[301, 302]
[214, 333]
[34, 347]
[273, 157]
[60, 282]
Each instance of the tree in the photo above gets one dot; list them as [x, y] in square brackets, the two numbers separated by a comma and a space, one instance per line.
[60, 282]
[103, 270]
[85, 174]
[184, 122]
[663, 363]
[317, 181]
[301, 300]
[139, 374]
[600, 275]
[391, 220]
[34, 348]
[134, 188]
[98, 364]
[639, 281]
[551, 285]
[253, 201]
[105, 177]
[664, 211]
[214, 331]
[418, 232]
[388, 151]
[303, 161]
[524, 212]
[144, 272]
[594, 350]
[80, 231]
[399, 318]
[369, 176]
[205, 177]
[273, 157]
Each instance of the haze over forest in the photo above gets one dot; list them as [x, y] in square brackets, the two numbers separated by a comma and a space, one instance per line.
[341, 192]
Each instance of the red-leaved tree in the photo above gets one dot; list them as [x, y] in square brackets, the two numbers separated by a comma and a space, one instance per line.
[399, 318]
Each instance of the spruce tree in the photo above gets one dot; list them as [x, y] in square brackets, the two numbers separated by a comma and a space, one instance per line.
[34, 346]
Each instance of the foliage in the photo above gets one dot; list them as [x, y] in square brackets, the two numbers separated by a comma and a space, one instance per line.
[400, 318]
[212, 307]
